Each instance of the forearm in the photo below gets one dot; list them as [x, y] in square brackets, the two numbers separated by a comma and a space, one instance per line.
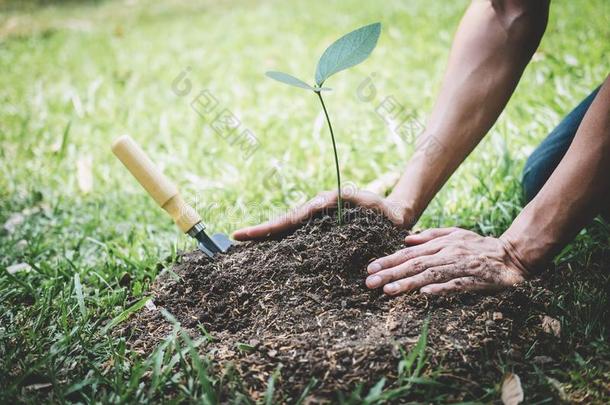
[491, 48]
[576, 191]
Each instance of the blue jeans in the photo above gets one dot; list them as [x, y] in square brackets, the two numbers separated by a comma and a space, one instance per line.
[543, 161]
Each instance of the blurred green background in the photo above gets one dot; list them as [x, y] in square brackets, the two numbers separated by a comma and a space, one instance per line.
[74, 75]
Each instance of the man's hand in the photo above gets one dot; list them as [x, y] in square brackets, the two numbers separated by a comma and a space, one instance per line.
[447, 260]
[394, 211]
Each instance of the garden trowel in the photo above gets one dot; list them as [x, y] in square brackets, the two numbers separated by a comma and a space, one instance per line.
[166, 194]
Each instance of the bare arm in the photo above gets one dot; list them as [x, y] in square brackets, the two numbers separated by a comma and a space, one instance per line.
[493, 44]
[452, 259]
[577, 190]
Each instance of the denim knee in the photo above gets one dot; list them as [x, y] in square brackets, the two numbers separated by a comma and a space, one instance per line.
[543, 161]
[532, 180]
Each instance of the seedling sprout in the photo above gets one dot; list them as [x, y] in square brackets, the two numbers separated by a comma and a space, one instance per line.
[349, 50]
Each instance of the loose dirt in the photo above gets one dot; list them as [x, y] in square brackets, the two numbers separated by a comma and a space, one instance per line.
[299, 302]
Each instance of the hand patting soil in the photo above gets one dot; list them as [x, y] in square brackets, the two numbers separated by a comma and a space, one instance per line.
[300, 302]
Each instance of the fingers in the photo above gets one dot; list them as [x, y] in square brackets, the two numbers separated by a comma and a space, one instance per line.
[428, 235]
[443, 261]
[405, 270]
[289, 220]
[323, 201]
[298, 215]
[402, 256]
[459, 285]
[433, 275]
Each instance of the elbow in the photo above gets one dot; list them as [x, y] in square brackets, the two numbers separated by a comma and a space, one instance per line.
[524, 21]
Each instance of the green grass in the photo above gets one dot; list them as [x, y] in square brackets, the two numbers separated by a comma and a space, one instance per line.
[74, 76]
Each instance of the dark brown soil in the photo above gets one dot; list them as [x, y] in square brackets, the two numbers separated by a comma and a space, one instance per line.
[300, 302]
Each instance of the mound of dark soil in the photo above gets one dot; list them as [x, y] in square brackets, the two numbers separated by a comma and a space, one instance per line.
[300, 302]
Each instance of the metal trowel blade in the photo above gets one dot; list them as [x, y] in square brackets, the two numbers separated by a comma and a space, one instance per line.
[222, 241]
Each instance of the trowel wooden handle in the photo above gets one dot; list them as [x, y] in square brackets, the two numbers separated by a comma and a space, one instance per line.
[164, 192]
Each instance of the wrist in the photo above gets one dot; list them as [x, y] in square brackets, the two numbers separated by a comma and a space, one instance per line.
[401, 212]
[519, 255]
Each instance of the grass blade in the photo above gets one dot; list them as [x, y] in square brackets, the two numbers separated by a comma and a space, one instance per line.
[78, 290]
[310, 385]
[125, 314]
[270, 391]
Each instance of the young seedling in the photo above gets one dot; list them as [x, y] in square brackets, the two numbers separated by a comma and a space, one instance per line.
[347, 51]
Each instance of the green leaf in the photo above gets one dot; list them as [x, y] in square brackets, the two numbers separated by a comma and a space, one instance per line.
[288, 79]
[293, 81]
[347, 51]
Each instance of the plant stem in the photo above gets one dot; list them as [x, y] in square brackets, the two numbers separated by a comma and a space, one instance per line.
[332, 136]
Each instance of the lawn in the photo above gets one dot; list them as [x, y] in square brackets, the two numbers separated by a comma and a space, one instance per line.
[81, 242]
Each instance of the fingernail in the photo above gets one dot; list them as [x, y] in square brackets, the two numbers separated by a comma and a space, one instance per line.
[373, 281]
[374, 267]
[391, 288]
